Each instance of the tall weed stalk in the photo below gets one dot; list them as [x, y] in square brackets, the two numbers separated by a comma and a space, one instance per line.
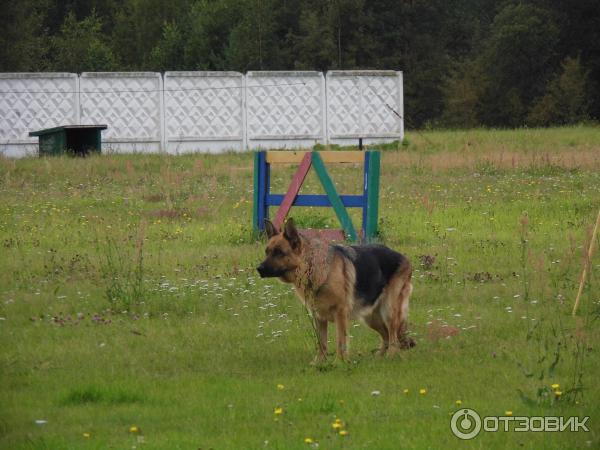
[123, 273]
[555, 342]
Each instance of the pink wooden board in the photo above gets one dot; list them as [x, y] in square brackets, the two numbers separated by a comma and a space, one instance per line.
[292, 191]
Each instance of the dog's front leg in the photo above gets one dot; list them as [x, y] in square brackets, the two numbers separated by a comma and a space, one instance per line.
[321, 329]
[341, 329]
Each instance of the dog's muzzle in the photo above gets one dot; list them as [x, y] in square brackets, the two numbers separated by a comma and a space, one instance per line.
[265, 271]
[262, 270]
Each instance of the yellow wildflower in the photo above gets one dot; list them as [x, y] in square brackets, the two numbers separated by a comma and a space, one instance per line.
[556, 386]
[134, 429]
[308, 440]
[86, 435]
[508, 413]
[422, 391]
[278, 410]
[458, 402]
[343, 433]
[405, 391]
[557, 393]
[280, 387]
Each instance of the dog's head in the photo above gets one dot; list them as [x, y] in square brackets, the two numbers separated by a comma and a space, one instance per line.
[282, 252]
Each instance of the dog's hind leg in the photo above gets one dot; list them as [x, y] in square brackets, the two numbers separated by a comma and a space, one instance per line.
[341, 330]
[321, 331]
[375, 321]
[397, 311]
[404, 340]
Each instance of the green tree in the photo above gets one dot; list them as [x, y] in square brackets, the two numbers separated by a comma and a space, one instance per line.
[566, 100]
[168, 53]
[579, 22]
[23, 40]
[463, 92]
[315, 46]
[80, 46]
[138, 26]
[211, 22]
[352, 23]
[253, 41]
[517, 55]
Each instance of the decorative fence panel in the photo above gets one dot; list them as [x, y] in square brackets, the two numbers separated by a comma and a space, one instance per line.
[204, 111]
[367, 104]
[130, 103]
[285, 109]
[32, 101]
[181, 112]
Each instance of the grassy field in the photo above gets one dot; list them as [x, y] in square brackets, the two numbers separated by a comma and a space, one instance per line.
[131, 315]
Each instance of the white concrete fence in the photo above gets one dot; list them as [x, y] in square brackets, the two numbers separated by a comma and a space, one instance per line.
[181, 112]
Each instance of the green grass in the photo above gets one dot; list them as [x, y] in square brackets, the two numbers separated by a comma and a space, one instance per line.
[128, 297]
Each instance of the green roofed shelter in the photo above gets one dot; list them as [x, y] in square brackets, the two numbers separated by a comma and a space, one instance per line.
[78, 140]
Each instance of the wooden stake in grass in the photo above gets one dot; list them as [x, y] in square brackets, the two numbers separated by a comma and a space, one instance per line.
[586, 263]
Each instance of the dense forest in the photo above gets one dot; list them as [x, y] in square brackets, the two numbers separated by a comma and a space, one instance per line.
[466, 63]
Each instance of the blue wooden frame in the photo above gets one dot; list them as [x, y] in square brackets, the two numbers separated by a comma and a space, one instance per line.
[263, 198]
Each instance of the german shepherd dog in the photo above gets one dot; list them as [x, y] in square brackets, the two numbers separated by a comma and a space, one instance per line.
[371, 283]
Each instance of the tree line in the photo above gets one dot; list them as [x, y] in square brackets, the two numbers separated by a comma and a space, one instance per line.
[466, 63]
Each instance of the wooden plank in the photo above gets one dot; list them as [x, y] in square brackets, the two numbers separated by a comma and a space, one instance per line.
[373, 196]
[292, 191]
[334, 198]
[285, 157]
[343, 157]
[318, 200]
[294, 157]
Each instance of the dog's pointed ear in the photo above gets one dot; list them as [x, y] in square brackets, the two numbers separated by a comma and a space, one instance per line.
[291, 233]
[270, 229]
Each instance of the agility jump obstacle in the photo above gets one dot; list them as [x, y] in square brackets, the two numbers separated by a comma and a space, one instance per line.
[368, 201]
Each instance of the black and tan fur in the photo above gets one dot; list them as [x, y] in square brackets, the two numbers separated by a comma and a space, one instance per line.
[371, 283]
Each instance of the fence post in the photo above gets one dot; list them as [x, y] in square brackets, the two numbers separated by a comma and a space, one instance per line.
[372, 195]
[325, 135]
[244, 97]
[260, 210]
[400, 101]
[163, 116]
[77, 101]
[365, 195]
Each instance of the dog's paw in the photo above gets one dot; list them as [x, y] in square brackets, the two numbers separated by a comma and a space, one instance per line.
[319, 360]
[341, 361]
[407, 343]
[400, 346]
[392, 350]
[380, 351]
